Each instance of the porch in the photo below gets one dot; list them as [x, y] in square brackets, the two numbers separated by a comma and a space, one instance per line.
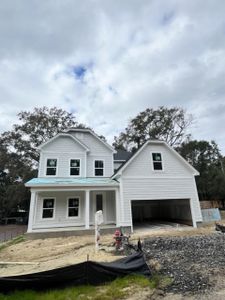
[71, 209]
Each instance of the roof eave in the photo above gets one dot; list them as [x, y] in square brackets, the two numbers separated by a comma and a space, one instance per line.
[70, 185]
[66, 135]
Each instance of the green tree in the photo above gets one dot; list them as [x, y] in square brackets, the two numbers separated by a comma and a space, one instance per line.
[19, 155]
[167, 124]
[4, 182]
[34, 129]
[206, 158]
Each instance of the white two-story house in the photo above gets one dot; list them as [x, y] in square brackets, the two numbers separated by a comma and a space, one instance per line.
[77, 177]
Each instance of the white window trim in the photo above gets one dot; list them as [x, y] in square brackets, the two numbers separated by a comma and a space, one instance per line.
[67, 207]
[57, 165]
[54, 208]
[99, 168]
[157, 171]
[78, 158]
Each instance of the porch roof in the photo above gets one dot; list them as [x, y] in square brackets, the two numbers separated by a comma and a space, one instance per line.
[81, 181]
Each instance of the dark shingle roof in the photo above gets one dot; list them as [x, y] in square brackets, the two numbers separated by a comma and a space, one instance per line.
[122, 155]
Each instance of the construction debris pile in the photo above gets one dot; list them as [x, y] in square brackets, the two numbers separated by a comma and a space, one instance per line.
[192, 262]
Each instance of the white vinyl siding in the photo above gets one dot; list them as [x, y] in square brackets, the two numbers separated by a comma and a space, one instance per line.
[65, 148]
[98, 151]
[61, 210]
[159, 189]
[63, 144]
[139, 181]
[63, 163]
[142, 164]
[94, 145]
[109, 206]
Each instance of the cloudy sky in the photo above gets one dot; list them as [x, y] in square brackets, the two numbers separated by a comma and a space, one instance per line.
[107, 60]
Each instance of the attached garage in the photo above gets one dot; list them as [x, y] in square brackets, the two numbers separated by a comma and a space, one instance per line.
[157, 184]
[176, 211]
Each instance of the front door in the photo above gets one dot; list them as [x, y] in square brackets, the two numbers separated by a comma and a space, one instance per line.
[99, 202]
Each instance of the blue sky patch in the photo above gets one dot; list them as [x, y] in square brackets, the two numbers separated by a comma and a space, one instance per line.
[79, 71]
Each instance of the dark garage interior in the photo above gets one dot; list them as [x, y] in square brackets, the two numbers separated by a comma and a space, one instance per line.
[176, 211]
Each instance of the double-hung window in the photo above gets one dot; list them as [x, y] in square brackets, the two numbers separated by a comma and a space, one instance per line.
[48, 208]
[157, 161]
[99, 167]
[75, 167]
[73, 207]
[51, 166]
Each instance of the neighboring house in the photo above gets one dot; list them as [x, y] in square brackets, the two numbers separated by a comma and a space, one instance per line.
[76, 178]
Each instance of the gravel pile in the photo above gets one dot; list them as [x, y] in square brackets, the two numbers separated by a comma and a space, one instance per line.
[191, 261]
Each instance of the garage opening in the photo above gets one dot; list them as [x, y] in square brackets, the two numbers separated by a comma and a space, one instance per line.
[176, 211]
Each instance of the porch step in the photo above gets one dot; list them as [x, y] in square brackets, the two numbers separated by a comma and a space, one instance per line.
[66, 233]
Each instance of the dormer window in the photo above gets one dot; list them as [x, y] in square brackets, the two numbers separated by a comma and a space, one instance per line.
[51, 166]
[157, 161]
[99, 167]
[75, 167]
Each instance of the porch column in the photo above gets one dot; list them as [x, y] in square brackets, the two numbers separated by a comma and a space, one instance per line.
[118, 218]
[87, 209]
[31, 212]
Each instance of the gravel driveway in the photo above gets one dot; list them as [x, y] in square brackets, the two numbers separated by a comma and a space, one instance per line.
[195, 263]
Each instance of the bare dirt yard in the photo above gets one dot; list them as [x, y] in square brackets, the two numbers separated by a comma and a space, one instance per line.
[194, 259]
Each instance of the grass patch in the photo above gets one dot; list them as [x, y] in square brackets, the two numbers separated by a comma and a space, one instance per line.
[160, 281]
[16, 240]
[120, 288]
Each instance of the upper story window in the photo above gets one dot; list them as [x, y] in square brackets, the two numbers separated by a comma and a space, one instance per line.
[99, 167]
[48, 208]
[157, 161]
[75, 167]
[51, 166]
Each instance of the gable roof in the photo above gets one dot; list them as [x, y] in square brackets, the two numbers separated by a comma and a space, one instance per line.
[91, 132]
[124, 166]
[67, 135]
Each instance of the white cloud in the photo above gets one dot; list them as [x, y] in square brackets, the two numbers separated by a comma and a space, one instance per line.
[137, 54]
